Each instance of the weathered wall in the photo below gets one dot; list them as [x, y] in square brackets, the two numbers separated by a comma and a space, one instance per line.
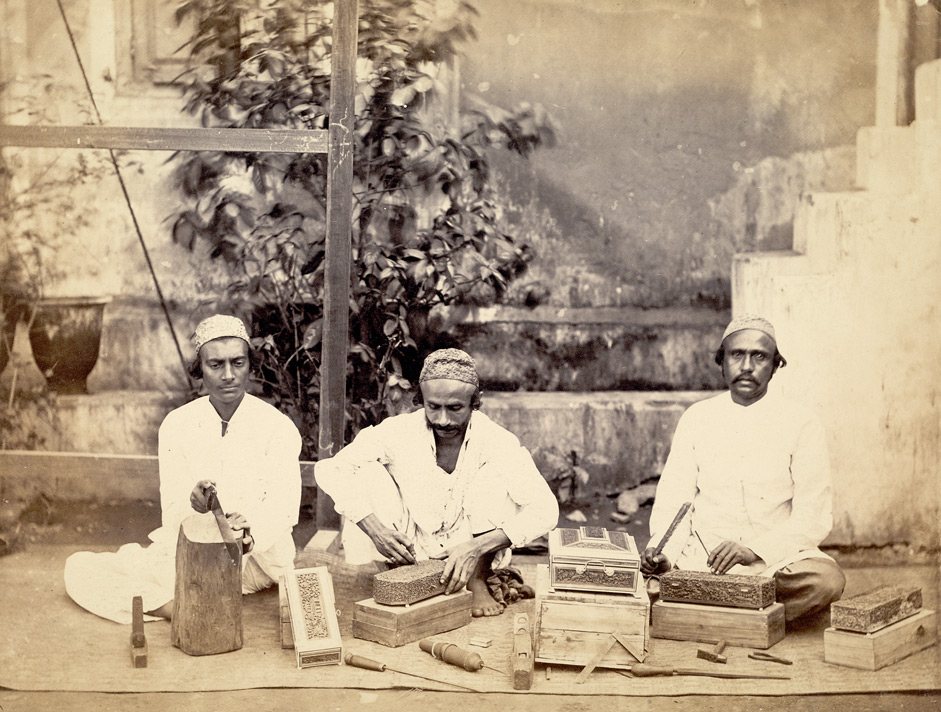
[688, 131]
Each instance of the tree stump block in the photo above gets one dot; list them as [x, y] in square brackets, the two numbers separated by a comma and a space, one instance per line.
[207, 601]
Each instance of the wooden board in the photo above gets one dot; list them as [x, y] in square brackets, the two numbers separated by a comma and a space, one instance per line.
[707, 624]
[284, 616]
[522, 652]
[876, 609]
[399, 625]
[572, 626]
[872, 651]
[717, 589]
[314, 625]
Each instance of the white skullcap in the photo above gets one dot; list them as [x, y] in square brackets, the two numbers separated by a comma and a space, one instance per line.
[750, 321]
[453, 364]
[220, 326]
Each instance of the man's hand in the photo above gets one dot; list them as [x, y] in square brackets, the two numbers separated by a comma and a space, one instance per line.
[396, 547]
[462, 561]
[728, 554]
[240, 523]
[653, 564]
[199, 497]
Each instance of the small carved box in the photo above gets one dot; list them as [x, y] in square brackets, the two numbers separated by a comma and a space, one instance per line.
[876, 609]
[702, 587]
[405, 585]
[314, 623]
[593, 559]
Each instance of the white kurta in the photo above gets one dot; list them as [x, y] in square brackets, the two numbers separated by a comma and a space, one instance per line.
[257, 474]
[758, 475]
[391, 470]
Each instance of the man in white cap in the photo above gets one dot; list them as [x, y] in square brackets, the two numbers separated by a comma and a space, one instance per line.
[756, 469]
[230, 440]
[442, 482]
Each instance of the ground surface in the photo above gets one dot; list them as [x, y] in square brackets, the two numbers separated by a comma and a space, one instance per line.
[115, 524]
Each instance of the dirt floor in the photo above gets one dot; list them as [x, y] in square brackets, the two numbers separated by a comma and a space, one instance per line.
[117, 523]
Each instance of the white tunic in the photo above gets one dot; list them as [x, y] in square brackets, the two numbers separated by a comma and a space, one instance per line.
[758, 475]
[391, 470]
[257, 474]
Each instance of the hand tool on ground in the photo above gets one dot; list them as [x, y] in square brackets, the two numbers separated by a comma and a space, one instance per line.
[715, 655]
[522, 652]
[370, 664]
[645, 670]
[228, 536]
[138, 641]
[769, 658]
[672, 528]
[450, 653]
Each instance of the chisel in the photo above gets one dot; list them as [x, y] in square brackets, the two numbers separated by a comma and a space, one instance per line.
[370, 664]
[645, 670]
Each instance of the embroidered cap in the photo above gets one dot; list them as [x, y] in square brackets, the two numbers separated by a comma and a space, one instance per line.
[453, 364]
[220, 326]
[749, 321]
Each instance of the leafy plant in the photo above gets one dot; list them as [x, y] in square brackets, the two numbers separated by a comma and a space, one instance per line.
[426, 227]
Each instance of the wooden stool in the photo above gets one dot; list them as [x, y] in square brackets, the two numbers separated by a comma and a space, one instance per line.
[207, 601]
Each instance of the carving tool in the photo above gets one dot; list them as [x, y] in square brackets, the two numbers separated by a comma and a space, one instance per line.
[369, 664]
[450, 653]
[228, 536]
[138, 640]
[672, 528]
[769, 658]
[645, 670]
[701, 542]
[715, 655]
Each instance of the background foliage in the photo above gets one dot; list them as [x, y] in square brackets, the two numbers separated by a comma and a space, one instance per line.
[427, 227]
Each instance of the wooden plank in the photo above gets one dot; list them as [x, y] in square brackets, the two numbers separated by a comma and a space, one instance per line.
[144, 138]
[398, 625]
[629, 617]
[875, 609]
[872, 651]
[368, 611]
[707, 624]
[560, 647]
[336, 307]
[522, 652]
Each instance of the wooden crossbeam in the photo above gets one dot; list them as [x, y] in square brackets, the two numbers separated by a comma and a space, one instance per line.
[165, 139]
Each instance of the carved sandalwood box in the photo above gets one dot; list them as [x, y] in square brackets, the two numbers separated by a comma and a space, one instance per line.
[314, 624]
[593, 559]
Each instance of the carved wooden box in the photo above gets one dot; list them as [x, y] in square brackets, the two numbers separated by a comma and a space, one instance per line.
[314, 624]
[593, 559]
[702, 587]
[876, 609]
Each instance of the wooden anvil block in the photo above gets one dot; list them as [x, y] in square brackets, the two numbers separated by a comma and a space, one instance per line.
[398, 625]
[872, 651]
[408, 584]
[706, 624]
[876, 609]
[717, 589]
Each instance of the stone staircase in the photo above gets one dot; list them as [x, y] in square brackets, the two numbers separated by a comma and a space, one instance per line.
[857, 307]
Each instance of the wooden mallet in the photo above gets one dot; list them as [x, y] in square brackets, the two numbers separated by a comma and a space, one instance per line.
[714, 655]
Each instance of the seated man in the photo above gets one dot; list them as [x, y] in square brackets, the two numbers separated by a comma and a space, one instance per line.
[444, 481]
[230, 439]
[756, 469]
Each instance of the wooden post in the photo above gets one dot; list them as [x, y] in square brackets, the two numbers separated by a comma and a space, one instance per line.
[339, 230]
[207, 601]
[894, 76]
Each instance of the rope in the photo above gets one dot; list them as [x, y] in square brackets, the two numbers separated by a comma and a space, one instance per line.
[127, 199]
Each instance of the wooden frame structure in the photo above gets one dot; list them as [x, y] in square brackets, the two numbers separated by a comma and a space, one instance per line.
[336, 142]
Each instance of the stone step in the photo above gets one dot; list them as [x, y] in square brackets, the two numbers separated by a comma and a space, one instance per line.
[884, 159]
[590, 349]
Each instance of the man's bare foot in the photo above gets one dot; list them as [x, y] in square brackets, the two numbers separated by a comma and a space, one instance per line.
[483, 604]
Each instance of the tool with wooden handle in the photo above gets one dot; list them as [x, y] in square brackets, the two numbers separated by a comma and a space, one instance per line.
[646, 670]
[228, 536]
[138, 640]
[672, 528]
[715, 655]
[370, 664]
[450, 653]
